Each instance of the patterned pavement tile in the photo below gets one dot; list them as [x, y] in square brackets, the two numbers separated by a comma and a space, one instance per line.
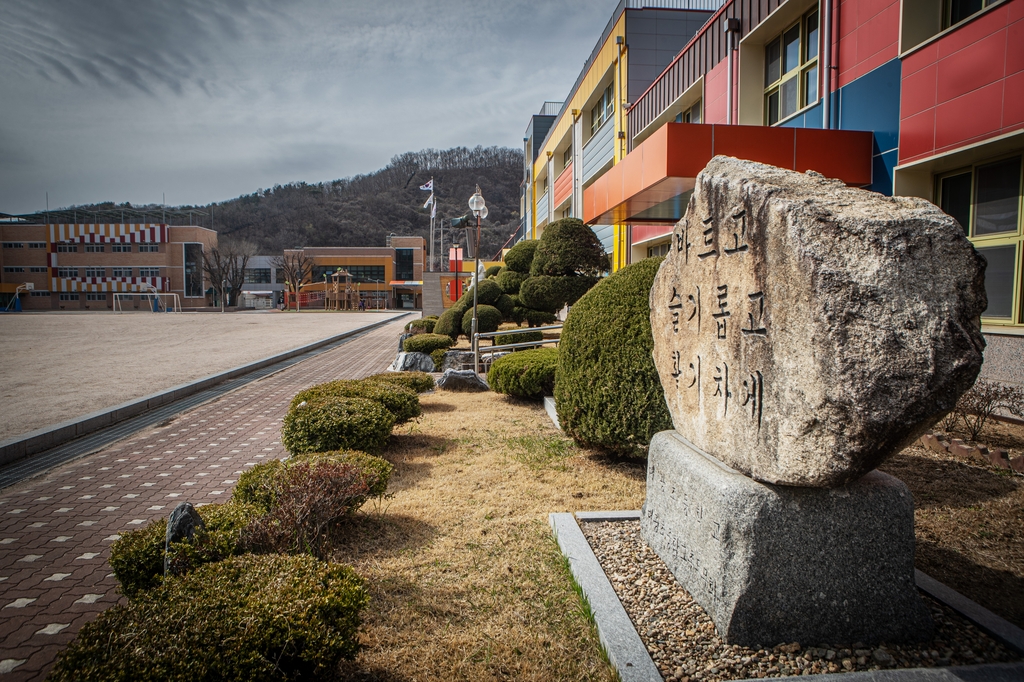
[56, 529]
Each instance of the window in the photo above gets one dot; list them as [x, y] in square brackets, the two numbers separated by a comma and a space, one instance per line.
[602, 111]
[120, 272]
[13, 245]
[94, 248]
[691, 115]
[96, 297]
[37, 245]
[121, 248]
[791, 70]
[69, 297]
[360, 273]
[149, 272]
[67, 272]
[257, 275]
[986, 200]
[149, 248]
[567, 157]
[658, 250]
[95, 272]
[403, 264]
[193, 270]
[39, 293]
[955, 11]
[8, 268]
[67, 247]
[38, 268]
[281, 276]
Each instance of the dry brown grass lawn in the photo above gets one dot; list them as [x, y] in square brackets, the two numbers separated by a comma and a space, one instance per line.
[467, 582]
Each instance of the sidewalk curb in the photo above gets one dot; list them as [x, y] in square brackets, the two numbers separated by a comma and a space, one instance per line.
[34, 442]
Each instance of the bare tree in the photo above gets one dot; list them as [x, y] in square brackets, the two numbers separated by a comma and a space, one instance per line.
[226, 264]
[296, 267]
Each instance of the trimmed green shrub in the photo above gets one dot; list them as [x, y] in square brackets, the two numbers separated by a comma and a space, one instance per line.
[607, 391]
[546, 292]
[492, 271]
[488, 320]
[526, 374]
[505, 304]
[450, 322]
[510, 281]
[427, 343]
[438, 357]
[569, 247]
[400, 401]
[337, 423]
[534, 318]
[250, 618]
[489, 293]
[137, 557]
[520, 257]
[414, 381]
[522, 337]
[422, 326]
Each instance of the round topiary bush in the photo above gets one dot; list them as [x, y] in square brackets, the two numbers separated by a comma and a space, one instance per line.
[489, 293]
[250, 617]
[520, 257]
[492, 271]
[546, 292]
[400, 401]
[528, 374]
[607, 391]
[488, 320]
[505, 304]
[427, 343]
[569, 247]
[337, 423]
[137, 557]
[510, 281]
[414, 381]
[450, 322]
[422, 326]
[534, 318]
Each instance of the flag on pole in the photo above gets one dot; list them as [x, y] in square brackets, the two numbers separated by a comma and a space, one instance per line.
[429, 187]
[433, 208]
[429, 201]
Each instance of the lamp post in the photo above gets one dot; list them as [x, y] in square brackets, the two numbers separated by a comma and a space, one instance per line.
[479, 209]
[223, 286]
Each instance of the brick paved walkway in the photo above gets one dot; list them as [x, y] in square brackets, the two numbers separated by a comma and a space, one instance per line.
[56, 529]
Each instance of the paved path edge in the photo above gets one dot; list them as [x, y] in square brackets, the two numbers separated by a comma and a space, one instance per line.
[34, 442]
[622, 650]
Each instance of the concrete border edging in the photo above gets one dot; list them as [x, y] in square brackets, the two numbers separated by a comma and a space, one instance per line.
[625, 649]
[612, 619]
[40, 440]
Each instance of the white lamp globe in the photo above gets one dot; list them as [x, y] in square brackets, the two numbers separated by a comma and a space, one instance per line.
[476, 202]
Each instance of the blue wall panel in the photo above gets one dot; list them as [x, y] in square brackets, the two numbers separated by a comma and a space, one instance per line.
[872, 102]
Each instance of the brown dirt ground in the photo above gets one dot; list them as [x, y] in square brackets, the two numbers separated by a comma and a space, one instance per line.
[467, 582]
[969, 521]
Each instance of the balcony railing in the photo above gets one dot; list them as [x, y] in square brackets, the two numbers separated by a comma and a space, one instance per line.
[542, 209]
[599, 149]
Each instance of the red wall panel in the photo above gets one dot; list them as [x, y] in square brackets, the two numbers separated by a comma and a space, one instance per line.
[870, 34]
[715, 86]
[966, 86]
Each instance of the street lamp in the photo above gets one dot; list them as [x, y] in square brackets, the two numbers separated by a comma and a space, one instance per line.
[479, 209]
[223, 286]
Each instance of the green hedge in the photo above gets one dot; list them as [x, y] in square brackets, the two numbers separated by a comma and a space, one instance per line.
[423, 326]
[607, 391]
[546, 292]
[520, 257]
[414, 381]
[505, 304]
[400, 401]
[438, 357]
[535, 318]
[510, 281]
[488, 320]
[337, 423]
[427, 343]
[521, 337]
[259, 618]
[569, 247]
[526, 374]
[137, 557]
[492, 271]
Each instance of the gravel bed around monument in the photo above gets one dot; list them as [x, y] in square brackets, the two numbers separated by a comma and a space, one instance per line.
[684, 645]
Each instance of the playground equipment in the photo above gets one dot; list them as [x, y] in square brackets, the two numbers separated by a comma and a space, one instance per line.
[14, 305]
[159, 302]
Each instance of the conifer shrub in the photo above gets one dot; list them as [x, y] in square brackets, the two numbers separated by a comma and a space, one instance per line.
[250, 618]
[400, 401]
[528, 374]
[337, 423]
[492, 271]
[427, 343]
[522, 337]
[422, 326]
[607, 391]
[520, 257]
[488, 320]
[510, 281]
[438, 357]
[533, 317]
[505, 304]
[450, 322]
[490, 292]
[418, 382]
[569, 247]
[137, 557]
[548, 292]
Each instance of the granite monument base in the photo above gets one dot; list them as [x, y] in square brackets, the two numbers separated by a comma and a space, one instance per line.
[773, 564]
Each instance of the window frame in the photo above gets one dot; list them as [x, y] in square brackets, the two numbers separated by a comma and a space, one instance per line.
[1008, 238]
[805, 65]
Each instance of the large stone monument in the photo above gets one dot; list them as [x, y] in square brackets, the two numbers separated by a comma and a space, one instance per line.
[804, 331]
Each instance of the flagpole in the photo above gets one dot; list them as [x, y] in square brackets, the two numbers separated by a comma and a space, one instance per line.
[433, 210]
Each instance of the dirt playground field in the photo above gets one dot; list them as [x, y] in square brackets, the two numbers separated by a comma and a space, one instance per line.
[58, 366]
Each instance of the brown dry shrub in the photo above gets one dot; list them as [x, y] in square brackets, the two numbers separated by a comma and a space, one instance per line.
[984, 399]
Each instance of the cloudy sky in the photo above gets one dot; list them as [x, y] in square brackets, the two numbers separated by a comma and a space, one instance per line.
[124, 100]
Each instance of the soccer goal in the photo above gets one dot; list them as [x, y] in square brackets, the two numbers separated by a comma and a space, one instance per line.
[156, 301]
